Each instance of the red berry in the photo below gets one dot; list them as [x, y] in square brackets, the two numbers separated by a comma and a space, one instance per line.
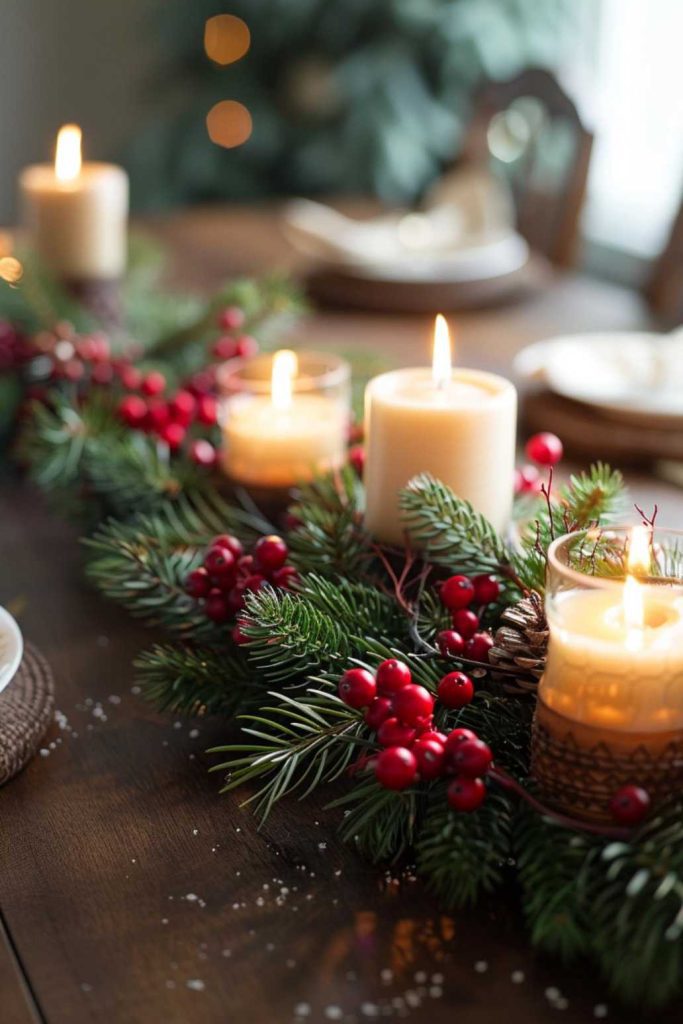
[246, 346]
[207, 410]
[131, 378]
[455, 690]
[477, 647]
[173, 434]
[286, 577]
[393, 733]
[450, 643]
[429, 755]
[220, 562]
[157, 415]
[465, 622]
[239, 637]
[235, 598]
[413, 704]
[396, 768]
[470, 757]
[433, 734]
[216, 607]
[201, 383]
[74, 369]
[226, 540]
[197, 583]
[357, 458]
[245, 565]
[270, 553]
[133, 410]
[224, 348]
[231, 318]
[545, 449]
[629, 805]
[456, 737]
[357, 687]
[457, 592]
[182, 407]
[466, 794]
[527, 480]
[486, 589]
[153, 383]
[380, 709]
[392, 676]
[254, 582]
[202, 452]
[101, 373]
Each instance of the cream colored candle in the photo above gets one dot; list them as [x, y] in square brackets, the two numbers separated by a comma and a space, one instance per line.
[459, 425]
[615, 657]
[77, 213]
[283, 438]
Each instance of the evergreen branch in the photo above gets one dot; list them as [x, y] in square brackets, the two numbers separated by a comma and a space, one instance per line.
[329, 537]
[292, 635]
[297, 744]
[464, 855]
[191, 680]
[381, 823]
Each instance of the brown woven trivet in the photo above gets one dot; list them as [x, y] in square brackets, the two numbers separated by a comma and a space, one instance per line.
[26, 708]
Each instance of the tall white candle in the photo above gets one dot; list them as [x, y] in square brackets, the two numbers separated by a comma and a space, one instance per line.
[459, 425]
[77, 212]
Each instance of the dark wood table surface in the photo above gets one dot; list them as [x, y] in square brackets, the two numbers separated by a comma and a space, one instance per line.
[132, 892]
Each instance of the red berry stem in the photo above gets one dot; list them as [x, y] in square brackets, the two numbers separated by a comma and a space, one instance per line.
[507, 782]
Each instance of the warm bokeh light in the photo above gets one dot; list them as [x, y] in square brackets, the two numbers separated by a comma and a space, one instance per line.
[11, 269]
[285, 369]
[226, 38]
[441, 358]
[638, 561]
[229, 124]
[68, 154]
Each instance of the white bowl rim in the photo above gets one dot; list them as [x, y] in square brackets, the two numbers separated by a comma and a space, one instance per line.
[9, 625]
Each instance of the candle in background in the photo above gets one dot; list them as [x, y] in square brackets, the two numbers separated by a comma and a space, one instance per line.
[610, 704]
[459, 425]
[285, 418]
[77, 213]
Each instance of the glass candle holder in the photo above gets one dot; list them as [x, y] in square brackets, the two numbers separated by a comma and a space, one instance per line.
[610, 703]
[284, 417]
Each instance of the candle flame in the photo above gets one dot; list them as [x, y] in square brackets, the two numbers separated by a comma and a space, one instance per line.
[285, 369]
[68, 154]
[441, 359]
[638, 561]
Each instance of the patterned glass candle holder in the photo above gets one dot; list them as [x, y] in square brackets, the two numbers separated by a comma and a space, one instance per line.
[285, 418]
[610, 704]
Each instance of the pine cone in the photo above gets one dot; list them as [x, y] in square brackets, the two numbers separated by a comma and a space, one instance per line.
[521, 643]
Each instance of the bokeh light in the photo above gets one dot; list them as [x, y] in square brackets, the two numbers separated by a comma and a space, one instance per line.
[229, 123]
[226, 38]
[11, 270]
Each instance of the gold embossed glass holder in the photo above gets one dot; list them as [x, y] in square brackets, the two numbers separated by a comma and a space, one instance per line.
[610, 703]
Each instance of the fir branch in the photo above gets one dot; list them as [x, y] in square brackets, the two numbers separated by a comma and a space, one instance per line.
[381, 823]
[191, 680]
[451, 533]
[292, 635]
[297, 744]
[464, 855]
[329, 537]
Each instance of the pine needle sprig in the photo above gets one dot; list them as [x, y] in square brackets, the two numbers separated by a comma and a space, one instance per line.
[325, 623]
[329, 537]
[190, 680]
[380, 822]
[297, 744]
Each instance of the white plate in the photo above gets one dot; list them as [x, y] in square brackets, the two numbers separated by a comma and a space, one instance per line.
[11, 647]
[633, 376]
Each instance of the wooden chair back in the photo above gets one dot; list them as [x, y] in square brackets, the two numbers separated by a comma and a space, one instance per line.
[664, 289]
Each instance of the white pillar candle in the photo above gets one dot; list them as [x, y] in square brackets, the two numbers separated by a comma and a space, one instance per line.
[77, 213]
[283, 437]
[615, 657]
[459, 425]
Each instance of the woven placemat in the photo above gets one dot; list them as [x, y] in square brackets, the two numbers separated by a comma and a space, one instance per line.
[26, 708]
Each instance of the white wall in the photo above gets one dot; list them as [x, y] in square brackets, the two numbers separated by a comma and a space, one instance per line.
[86, 61]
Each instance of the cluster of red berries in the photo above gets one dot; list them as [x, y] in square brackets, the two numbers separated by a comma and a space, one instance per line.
[544, 449]
[14, 350]
[465, 598]
[401, 713]
[228, 573]
[233, 343]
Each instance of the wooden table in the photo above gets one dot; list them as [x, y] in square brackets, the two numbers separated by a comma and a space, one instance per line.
[132, 893]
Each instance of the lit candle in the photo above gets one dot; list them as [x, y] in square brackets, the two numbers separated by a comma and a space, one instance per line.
[459, 425]
[290, 430]
[77, 213]
[615, 658]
